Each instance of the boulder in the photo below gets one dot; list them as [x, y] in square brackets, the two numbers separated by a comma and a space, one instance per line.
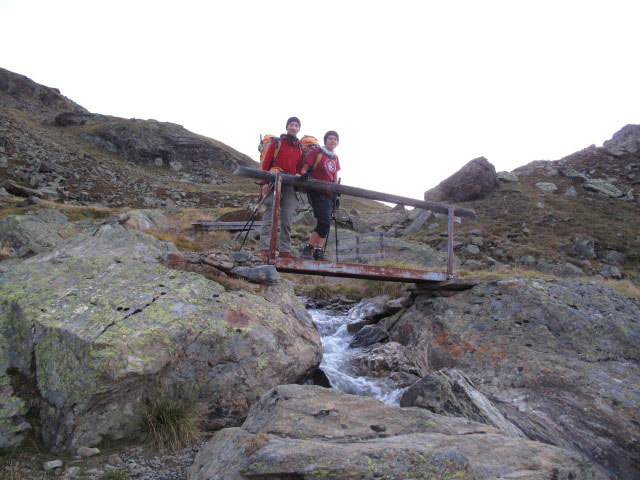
[298, 431]
[601, 186]
[96, 324]
[546, 187]
[585, 246]
[449, 392]
[559, 359]
[34, 232]
[507, 177]
[144, 219]
[626, 141]
[260, 274]
[382, 360]
[561, 269]
[368, 335]
[420, 219]
[611, 271]
[612, 257]
[472, 182]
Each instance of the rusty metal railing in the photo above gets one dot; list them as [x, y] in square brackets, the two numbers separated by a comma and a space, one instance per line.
[296, 265]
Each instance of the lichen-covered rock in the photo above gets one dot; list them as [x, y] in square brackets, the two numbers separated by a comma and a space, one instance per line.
[600, 186]
[311, 432]
[34, 232]
[96, 324]
[144, 219]
[559, 359]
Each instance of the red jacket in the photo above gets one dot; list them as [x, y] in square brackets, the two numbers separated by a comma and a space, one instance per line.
[327, 168]
[288, 156]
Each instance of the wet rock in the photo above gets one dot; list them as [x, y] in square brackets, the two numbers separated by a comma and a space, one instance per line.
[311, 432]
[368, 335]
[472, 182]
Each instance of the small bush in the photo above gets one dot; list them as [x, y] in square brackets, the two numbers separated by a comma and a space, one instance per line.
[171, 423]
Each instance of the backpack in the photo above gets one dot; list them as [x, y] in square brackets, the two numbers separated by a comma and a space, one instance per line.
[264, 143]
[309, 143]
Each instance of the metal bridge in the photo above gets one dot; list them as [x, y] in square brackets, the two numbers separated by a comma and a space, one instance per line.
[423, 278]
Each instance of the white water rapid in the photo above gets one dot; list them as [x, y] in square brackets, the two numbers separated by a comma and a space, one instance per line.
[336, 352]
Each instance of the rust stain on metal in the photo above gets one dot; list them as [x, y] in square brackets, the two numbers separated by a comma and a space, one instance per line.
[355, 270]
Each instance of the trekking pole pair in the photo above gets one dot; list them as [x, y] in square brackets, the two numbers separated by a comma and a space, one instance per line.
[253, 216]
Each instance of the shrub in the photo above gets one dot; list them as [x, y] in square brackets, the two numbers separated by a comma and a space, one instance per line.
[171, 423]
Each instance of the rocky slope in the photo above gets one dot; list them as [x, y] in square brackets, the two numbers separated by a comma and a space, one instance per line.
[95, 317]
[557, 360]
[60, 151]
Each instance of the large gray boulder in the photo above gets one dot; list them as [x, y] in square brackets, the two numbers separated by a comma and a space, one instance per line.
[97, 324]
[559, 359]
[472, 182]
[34, 232]
[626, 141]
[297, 431]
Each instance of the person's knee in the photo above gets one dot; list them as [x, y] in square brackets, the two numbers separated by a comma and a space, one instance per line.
[324, 223]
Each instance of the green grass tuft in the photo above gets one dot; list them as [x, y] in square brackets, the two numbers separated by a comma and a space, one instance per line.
[170, 423]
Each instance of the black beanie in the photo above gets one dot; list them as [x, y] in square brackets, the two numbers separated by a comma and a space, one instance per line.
[293, 119]
[331, 132]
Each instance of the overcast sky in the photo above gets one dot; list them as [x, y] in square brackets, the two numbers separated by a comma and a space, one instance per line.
[415, 89]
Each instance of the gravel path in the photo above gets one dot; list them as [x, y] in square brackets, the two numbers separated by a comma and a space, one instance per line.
[140, 463]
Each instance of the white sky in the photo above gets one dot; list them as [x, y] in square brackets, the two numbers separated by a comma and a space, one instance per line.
[414, 88]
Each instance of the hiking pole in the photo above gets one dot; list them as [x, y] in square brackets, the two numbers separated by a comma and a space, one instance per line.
[252, 218]
[335, 222]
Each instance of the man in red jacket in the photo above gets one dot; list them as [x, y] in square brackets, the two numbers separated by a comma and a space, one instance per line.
[282, 155]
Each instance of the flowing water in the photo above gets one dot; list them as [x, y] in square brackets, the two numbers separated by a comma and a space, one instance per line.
[336, 352]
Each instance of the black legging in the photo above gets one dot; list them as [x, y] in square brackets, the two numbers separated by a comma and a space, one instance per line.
[321, 204]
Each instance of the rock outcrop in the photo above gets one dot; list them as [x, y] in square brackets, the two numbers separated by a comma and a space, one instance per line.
[18, 91]
[560, 360]
[472, 182]
[93, 329]
[311, 432]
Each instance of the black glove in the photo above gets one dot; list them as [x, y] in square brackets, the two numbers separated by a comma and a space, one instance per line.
[305, 176]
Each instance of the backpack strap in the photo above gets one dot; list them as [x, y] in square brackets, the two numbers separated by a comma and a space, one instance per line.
[318, 158]
[275, 153]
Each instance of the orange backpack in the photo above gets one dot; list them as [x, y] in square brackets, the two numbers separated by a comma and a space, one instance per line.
[309, 143]
[264, 143]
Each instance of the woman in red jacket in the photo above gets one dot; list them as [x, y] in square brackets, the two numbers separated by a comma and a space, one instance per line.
[321, 164]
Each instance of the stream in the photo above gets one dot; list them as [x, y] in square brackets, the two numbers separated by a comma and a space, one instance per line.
[332, 326]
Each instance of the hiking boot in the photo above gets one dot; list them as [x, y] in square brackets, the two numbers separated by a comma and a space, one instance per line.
[307, 252]
[318, 254]
[285, 255]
